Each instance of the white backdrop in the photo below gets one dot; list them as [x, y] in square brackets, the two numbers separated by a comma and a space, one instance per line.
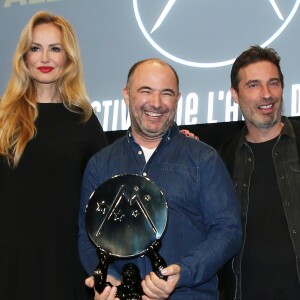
[199, 38]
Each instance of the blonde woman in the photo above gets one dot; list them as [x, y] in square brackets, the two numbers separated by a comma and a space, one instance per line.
[47, 134]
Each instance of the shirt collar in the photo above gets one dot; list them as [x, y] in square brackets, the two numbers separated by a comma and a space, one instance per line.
[168, 135]
[286, 130]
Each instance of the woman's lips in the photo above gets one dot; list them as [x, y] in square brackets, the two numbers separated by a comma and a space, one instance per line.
[45, 69]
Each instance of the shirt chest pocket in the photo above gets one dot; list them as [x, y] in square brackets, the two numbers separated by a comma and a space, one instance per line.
[293, 176]
[295, 167]
[179, 181]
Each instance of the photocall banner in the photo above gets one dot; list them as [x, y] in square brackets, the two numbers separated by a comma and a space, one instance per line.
[199, 38]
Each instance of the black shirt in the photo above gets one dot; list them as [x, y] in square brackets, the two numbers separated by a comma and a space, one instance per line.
[268, 263]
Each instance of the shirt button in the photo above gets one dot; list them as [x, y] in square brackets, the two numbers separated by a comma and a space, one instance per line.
[140, 152]
[294, 231]
[249, 159]
[145, 174]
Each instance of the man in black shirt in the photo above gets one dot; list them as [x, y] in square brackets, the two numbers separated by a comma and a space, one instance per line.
[264, 164]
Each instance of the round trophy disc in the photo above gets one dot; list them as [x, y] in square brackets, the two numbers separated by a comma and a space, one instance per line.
[126, 214]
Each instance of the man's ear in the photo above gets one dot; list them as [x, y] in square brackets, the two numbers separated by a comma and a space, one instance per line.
[234, 95]
[179, 96]
[126, 95]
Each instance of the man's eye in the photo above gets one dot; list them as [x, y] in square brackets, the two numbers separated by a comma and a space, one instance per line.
[275, 83]
[253, 85]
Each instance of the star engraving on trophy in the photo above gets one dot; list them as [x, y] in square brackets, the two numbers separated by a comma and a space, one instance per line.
[118, 216]
[147, 198]
[101, 207]
[135, 213]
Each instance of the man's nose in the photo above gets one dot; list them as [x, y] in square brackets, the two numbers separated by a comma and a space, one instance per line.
[156, 100]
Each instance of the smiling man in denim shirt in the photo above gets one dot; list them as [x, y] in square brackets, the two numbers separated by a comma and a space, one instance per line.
[203, 230]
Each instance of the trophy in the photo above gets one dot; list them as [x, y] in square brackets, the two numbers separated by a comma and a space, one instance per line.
[126, 217]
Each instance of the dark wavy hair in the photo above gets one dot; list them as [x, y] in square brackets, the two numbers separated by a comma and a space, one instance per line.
[252, 55]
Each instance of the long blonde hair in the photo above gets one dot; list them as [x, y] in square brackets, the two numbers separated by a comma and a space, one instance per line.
[18, 107]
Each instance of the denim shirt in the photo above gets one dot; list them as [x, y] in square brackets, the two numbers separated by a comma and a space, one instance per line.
[239, 158]
[203, 229]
